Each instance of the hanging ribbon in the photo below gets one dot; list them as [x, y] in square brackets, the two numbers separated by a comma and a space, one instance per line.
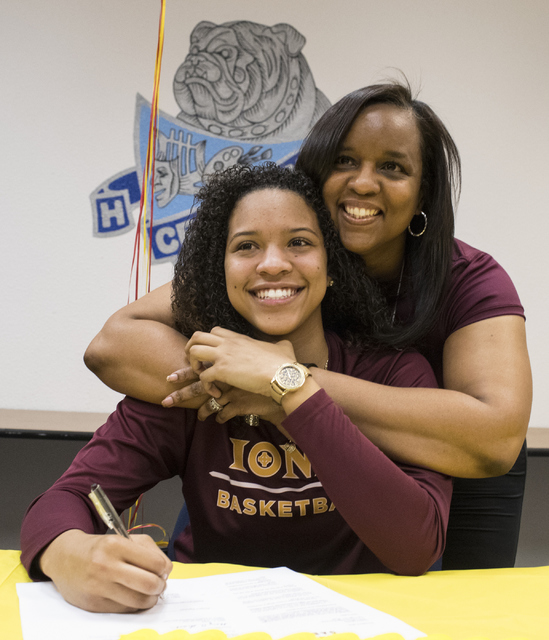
[142, 249]
[143, 235]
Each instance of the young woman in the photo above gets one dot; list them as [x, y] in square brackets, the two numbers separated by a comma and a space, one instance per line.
[260, 277]
[387, 167]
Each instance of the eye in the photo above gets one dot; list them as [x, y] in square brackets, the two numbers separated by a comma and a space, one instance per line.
[393, 167]
[299, 242]
[343, 161]
[225, 53]
[246, 245]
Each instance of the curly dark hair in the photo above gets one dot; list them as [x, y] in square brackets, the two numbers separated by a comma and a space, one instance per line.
[352, 307]
[428, 258]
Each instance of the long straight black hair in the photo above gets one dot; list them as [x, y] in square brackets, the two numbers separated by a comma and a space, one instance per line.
[428, 258]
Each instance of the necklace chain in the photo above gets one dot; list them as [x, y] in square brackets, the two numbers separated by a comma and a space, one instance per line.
[398, 293]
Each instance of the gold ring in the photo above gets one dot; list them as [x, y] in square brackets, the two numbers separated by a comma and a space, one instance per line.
[251, 419]
[214, 405]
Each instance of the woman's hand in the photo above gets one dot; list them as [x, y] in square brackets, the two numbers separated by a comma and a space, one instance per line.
[236, 402]
[237, 360]
[190, 395]
[106, 573]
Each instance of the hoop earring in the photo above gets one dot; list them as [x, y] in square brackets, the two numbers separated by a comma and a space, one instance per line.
[416, 235]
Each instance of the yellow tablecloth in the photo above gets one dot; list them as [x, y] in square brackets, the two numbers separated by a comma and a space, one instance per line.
[495, 604]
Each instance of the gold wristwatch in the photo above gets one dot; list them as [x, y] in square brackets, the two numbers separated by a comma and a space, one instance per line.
[289, 377]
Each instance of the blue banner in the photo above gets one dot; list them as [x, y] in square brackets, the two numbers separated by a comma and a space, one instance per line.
[183, 159]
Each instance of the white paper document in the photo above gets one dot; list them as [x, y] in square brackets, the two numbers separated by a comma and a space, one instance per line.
[276, 601]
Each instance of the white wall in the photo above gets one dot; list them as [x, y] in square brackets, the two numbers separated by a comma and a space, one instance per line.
[69, 75]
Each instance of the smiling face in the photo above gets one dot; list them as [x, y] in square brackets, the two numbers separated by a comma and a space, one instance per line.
[275, 264]
[373, 191]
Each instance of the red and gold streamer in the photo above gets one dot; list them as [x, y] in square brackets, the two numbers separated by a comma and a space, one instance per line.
[142, 250]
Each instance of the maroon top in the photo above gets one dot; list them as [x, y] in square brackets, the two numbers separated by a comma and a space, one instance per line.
[479, 289]
[344, 507]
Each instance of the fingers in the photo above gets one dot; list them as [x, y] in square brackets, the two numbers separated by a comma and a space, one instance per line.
[203, 338]
[210, 388]
[224, 333]
[140, 576]
[186, 374]
[127, 575]
[150, 557]
[107, 573]
[122, 598]
[200, 357]
[221, 416]
[191, 389]
[193, 393]
[201, 348]
[236, 402]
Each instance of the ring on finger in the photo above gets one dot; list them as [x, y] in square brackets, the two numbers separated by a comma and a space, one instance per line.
[251, 419]
[214, 405]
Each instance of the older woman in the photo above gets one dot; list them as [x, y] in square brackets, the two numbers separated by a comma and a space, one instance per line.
[387, 165]
[296, 483]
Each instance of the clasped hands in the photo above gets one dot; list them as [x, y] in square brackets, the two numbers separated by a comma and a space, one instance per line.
[233, 368]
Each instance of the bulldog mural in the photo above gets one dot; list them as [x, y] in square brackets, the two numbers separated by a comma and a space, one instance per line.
[246, 95]
[246, 81]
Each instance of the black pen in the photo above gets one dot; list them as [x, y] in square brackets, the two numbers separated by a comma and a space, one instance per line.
[106, 511]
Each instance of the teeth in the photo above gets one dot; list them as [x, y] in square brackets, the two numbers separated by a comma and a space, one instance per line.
[275, 294]
[360, 212]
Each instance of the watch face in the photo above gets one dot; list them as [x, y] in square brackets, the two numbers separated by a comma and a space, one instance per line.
[291, 377]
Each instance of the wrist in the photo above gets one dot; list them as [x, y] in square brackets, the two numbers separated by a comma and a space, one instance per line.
[292, 401]
[52, 556]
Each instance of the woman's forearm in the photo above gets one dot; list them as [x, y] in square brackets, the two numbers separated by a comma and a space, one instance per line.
[138, 366]
[138, 348]
[445, 430]
[416, 426]
[474, 427]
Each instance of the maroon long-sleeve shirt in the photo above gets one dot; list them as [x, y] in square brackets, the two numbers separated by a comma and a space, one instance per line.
[336, 504]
